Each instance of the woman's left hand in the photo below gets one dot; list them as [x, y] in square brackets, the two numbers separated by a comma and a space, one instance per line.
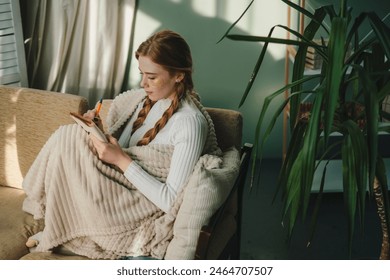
[111, 152]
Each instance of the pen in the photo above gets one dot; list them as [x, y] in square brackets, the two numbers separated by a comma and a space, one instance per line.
[99, 106]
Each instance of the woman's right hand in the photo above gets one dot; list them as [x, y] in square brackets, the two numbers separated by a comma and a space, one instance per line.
[110, 152]
[90, 114]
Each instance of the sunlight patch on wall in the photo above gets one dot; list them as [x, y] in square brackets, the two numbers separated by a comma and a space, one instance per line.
[204, 8]
[258, 21]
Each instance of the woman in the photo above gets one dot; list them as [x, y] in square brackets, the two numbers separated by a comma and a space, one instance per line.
[166, 116]
[156, 136]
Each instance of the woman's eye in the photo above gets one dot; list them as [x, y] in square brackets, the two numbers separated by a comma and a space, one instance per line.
[147, 76]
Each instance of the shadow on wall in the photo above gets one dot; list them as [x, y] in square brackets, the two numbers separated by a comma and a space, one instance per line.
[221, 71]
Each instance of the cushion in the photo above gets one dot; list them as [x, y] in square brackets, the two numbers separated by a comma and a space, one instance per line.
[16, 226]
[201, 200]
[29, 118]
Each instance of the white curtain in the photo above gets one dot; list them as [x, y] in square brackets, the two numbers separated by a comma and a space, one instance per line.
[78, 46]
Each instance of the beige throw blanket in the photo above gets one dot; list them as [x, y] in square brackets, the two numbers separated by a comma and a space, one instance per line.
[91, 208]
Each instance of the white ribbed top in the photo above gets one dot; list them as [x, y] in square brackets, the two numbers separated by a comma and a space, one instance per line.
[187, 131]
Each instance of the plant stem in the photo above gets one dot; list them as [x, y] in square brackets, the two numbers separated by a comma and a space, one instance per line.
[343, 8]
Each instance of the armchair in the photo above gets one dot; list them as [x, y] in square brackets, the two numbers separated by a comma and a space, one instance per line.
[29, 119]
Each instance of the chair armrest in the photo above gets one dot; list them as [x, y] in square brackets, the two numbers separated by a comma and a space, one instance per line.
[208, 231]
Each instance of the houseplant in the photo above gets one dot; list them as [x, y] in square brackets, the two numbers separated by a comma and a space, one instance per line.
[352, 83]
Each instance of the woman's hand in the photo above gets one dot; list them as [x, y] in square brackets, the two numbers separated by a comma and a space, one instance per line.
[90, 114]
[111, 152]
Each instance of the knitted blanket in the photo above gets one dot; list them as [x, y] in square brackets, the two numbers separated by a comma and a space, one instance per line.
[91, 208]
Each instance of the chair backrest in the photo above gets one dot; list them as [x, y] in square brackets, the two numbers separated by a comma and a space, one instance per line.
[227, 123]
[228, 127]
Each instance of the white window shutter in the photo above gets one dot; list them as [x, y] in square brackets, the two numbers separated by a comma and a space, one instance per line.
[12, 57]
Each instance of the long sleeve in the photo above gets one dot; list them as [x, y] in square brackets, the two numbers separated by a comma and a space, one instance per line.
[188, 135]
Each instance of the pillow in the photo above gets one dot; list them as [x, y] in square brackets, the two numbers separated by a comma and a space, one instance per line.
[207, 188]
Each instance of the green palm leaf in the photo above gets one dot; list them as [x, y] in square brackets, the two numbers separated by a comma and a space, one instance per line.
[335, 70]
[234, 24]
[305, 12]
[382, 32]
[349, 184]
[360, 169]
[309, 149]
[300, 62]
[259, 141]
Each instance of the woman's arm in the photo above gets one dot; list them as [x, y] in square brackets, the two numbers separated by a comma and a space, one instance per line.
[189, 136]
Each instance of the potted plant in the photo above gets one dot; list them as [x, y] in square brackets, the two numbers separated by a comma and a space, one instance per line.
[353, 81]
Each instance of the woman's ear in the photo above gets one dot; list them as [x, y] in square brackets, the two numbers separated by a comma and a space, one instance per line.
[179, 77]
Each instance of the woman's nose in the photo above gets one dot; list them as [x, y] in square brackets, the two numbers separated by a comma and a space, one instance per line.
[143, 82]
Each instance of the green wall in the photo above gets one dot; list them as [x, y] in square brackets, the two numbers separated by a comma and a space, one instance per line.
[222, 70]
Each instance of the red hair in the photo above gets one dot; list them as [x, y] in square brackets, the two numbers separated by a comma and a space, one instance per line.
[172, 52]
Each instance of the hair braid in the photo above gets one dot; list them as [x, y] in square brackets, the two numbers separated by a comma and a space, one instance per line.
[151, 133]
[148, 104]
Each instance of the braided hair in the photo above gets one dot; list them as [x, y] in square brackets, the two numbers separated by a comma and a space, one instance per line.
[171, 51]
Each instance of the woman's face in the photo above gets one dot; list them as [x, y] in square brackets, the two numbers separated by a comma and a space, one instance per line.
[157, 82]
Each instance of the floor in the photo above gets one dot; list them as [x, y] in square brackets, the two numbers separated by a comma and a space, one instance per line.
[263, 236]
